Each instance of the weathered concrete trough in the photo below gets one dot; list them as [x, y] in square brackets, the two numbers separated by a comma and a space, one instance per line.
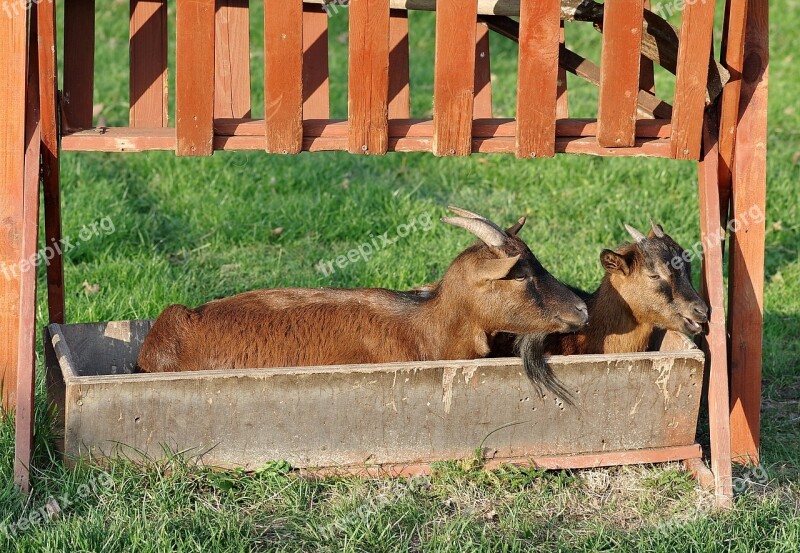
[396, 417]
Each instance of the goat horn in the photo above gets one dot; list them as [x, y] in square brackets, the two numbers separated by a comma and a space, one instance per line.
[472, 215]
[485, 230]
[638, 236]
[657, 230]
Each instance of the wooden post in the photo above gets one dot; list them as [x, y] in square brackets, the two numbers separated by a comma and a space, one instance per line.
[399, 82]
[148, 53]
[482, 108]
[316, 79]
[78, 63]
[746, 280]
[232, 59]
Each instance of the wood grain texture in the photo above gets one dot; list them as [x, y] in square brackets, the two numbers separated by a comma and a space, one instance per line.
[562, 98]
[316, 80]
[78, 63]
[399, 83]
[283, 75]
[746, 278]
[368, 77]
[454, 77]
[232, 59]
[194, 69]
[619, 72]
[149, 87]
[537, 86]
[482, 106]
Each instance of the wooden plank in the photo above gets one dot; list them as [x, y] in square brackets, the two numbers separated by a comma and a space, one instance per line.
[78, 63]
[714, 293]
[283, 75]
[537, 88]
[399, 85]
[454, 77]
[48, 92]
[562, 98]
[194, 69]
[697, 25]
[12, 173]
[26, 361]
[316, 80]
[700, 472]
[148, 54]
[746, 279]
[482, 106]
[232, 59]
[619, 72]
[368, 77]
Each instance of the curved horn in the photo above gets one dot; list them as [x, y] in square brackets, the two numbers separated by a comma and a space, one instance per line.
[656, 229]
[514, 229]
[638, 236]
[489, 234]
[472, 215]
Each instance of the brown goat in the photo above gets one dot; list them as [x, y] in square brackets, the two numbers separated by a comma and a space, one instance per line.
[495, 285]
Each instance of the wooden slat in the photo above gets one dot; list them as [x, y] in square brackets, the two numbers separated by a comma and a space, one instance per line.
[691, 78]
[746, 279]
[12, 166]
[283, 75]
[562, 98]
[647, 78]
[316, 81]
[537, 88]
[78, 63]
[619, 72]
[714, 292]
[23, 442]
[48, 92]
[399, 86]
[482, 108]
[194, 68]
[148, 54]
[232, 59]
[368, 77]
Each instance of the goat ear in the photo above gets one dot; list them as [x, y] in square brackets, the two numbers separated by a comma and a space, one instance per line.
[495, 269]
[514, 229]
[614, 262]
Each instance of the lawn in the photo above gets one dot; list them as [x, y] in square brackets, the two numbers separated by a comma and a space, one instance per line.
[190, 230]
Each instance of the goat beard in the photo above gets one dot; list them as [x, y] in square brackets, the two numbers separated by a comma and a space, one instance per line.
[531, 348]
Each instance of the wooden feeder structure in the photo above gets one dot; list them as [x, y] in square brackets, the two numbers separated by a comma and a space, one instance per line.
[717, 117]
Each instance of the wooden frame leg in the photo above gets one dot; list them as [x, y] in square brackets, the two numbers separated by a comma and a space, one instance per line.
[748, 208]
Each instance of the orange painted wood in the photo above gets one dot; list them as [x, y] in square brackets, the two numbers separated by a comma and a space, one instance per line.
[283, 75]
[78, 84]
[647, 78]
[26, 378]
[714, 292]
[368, 77]
[700, 472]
[148, 56]
[619, 72]
[454, 77]
[399, 86]
[194, 69]
[691, 77]
[482, 107]
[562, 98]
[12, 168]
[232, 59]
[316, 81]
[537, 88]
[746, 278]
[48, 94]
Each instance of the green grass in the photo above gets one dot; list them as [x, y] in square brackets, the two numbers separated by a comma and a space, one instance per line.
[189, 230]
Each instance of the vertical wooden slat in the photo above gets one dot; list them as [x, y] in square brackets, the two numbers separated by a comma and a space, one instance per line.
[454, 77]
[482, 108]
[562, 99]
[746, 279]
[691, 78]
[316, 80]
[148, 53]
[194, 68]
[714, 293]
[399, 86]
[647, 78]
[619, 73]
[537, 88]
[232, 59]
[12, 168]
[368, 77]
[23, 443]
[48, 87]
[283, 75]
[78, 63]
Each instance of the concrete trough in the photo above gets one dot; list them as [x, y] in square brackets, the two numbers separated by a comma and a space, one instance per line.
[394, 417]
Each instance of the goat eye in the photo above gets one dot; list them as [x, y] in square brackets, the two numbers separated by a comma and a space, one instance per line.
[654, 277]
[521, 278]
